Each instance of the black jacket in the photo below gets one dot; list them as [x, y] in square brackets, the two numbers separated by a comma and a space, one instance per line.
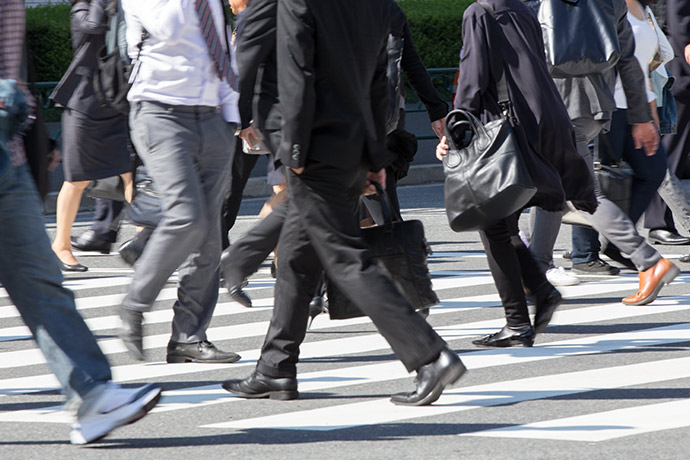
[332, 64]
[257, 65]
[678, 26]
[542, 124]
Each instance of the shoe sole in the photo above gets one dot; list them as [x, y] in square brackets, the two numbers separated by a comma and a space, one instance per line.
[448, 380]
[286, 395]
[149, 399]
[186, 359]
[666, 279]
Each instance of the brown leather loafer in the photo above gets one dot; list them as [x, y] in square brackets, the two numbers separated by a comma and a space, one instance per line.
[651, 282]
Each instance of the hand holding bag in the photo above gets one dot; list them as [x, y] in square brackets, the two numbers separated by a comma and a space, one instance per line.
[400, 249]
[486, 177]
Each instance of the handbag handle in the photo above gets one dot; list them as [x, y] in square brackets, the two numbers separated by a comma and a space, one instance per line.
[386, 207]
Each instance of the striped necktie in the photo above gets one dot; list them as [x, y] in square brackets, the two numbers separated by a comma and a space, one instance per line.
[215, 49]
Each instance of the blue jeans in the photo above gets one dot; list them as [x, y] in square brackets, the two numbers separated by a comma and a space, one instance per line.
[30, 272]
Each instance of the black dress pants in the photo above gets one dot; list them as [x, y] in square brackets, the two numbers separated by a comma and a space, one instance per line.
[107, 218]
[511, 265]
[251, 250]
[677, 147]
[321, 232]
[242, 165]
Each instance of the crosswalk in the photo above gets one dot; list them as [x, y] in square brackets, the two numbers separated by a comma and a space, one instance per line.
[575, 357]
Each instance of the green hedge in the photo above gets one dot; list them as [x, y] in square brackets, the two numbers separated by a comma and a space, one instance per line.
[47, 31]
[435, 25]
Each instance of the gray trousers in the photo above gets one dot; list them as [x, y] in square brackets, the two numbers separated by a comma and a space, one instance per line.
[608, 219]
[676, 198]
[187, 152]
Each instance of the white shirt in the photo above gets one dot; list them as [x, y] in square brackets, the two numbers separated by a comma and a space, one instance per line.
[646, 46]
[176, 67]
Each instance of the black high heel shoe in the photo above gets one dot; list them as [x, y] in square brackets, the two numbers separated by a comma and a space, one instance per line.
[73, 268]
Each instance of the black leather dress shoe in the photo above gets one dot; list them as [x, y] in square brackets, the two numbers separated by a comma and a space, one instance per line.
[663, 236]
[88, 241]
[432, 379]
[198, 352]
[132, 332]
[685, 258]
[239, 296]
[546, 304]
[259, 385]
[507, 337]
[130, 251]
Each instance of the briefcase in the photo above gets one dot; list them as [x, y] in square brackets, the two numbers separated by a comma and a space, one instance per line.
[400, 249]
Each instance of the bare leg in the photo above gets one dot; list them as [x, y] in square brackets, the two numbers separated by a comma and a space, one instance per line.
[67, 206]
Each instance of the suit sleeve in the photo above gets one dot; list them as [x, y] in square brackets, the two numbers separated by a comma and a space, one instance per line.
[254, 44]
[296, 85]
[87, 18]
[632, 77]
[474, 77]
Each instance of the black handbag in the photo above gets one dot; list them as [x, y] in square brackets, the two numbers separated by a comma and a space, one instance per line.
[580, 36]
[615, 181]
[400, 249]
[110, 188]
[145, 208]
[486, 177]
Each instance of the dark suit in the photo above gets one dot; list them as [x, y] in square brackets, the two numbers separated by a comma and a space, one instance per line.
[256, 66]
[332, 62]
[677, 145]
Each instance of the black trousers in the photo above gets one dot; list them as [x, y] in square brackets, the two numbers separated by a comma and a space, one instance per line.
[511, 265]
[677, 146]
[321, 232]
[107, 219]
[251, 250]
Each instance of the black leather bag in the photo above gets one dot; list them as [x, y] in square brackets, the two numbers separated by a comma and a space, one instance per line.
[400, 249]
[580, 36]
[616, 183]
[145, 208]
[486, 177]
[110, 188]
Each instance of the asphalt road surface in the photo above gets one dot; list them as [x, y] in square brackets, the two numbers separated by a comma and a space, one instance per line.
[606, 381]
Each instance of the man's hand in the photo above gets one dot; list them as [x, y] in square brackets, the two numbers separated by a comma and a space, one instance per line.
[249, 136]
[379, 177]
[438, 127]
[645, 135]
[687, 54]
[442, 149]
[298, 171]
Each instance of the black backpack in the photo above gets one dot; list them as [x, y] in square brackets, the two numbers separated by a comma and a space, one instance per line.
[111, 78]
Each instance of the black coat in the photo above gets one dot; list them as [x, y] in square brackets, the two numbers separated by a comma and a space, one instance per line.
[333, 88]
[542, 125]
[678, 26]
[257, 65]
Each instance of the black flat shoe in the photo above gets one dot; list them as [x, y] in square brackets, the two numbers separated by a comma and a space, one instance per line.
[88, 241]
[432, 379]
[259, 385]
[130, 251]
[546, 304]
[239, 296]
[507, 337]
[198, 352]
[73, 268]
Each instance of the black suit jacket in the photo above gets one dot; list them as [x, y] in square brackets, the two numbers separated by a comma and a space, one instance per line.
[75, 89]
[257, 65]
[332, 64]
[678, 26]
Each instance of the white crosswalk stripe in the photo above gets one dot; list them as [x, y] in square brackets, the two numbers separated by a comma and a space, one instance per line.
[605, 327]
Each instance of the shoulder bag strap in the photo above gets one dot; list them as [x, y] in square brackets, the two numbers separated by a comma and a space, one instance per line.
[501, 86]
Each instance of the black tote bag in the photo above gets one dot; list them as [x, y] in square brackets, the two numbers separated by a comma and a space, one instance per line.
[486, 177]
[400, 249]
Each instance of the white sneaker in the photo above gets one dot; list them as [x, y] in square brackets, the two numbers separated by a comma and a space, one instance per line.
[559, 277]
[114, 407]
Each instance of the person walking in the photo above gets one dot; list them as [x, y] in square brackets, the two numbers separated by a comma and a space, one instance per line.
[94, 136]
[183, 115]
[30, 272]
[329, 162]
